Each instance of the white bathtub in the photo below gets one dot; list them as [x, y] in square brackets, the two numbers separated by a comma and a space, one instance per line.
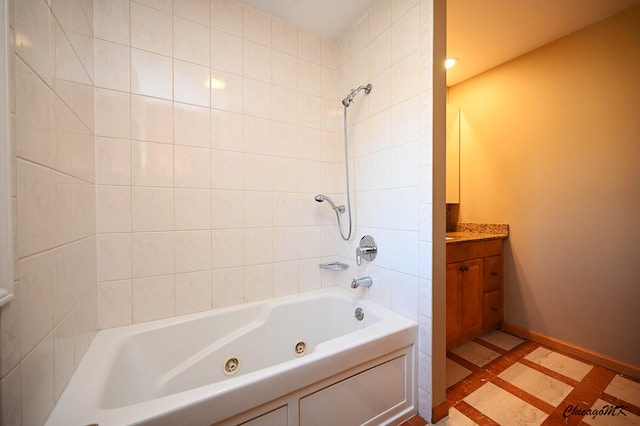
[172, 371]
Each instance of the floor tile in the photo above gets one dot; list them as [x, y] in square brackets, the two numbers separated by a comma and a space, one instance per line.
[622, 388]
[456, 418]
[540, 385]
[455, 372]
[606, 416]
[530, 384]
[475, 353]
[502, 340]
[503, 407]
[559, 363]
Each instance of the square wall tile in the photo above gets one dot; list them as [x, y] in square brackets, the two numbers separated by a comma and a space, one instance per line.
[257, 26]
[153, 298]
[285, 278]
[35, 276]
[258, 172]
[257, 98]
[113, 208]
[64, 347]
[152, 164]
[329, 54]
[360, 36]
[226, 169]
[406, 34]
[114, 303]
[226, 15]
[405, 78]
[151, 119]
[309, 75]
[113, 161]
[113, 116]
[228, 248]
[111, 20]
[257, 134]
[33, 39]
[285, 70]
[151, 74]
[192, 251]
[226, 52]
[309, 47]
[285, 244]
[152, 209]
[33, 120]
[191, 41]
[379, 18]
[258, 282]
[227, 91]
[258, 246]
[11, 402]
[193, 292]
[35, 208]
[227, 209]
[113, 256]
[228, 287]
[163, 5]
[400, 7]
[193, 10]
[256, 61]
[192, 167]
[151, 29]
[382, 58]
[38, 393]
[227, 130]
[284, 37]
[192, 209]
[258, 209]
[191, 83]
[191, 125]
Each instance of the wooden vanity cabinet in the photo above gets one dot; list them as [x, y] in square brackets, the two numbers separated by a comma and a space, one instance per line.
[474, 290]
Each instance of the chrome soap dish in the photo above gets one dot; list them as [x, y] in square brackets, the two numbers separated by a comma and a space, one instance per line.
[334, 266]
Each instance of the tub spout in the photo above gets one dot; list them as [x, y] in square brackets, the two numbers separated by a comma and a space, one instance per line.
[361, 282]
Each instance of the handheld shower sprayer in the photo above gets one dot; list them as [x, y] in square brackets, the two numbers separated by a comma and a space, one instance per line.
[349, 99]
[321, 197]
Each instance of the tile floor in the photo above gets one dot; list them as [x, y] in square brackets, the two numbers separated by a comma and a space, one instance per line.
[499, 379]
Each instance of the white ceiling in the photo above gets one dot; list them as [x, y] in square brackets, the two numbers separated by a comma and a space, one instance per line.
[328, 19]
[481, 34]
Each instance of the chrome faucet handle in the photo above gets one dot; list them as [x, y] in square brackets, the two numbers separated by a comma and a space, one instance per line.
[368, 250]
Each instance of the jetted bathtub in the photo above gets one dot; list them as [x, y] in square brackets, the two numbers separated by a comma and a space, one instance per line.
[296, 360]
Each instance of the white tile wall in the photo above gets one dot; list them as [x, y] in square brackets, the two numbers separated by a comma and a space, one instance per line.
[390, 146]
[211, 144]
[46, 329]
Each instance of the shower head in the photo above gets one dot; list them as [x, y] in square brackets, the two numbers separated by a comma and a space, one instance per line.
[347, 101]
[321, 197]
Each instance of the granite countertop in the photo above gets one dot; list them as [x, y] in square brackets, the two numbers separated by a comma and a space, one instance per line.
[465, 232]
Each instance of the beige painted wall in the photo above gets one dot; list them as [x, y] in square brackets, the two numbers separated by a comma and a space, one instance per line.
[551, 145]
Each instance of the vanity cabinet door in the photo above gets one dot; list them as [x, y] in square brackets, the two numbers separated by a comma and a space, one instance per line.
[464, 300]
[454, 304]
[474, 290]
